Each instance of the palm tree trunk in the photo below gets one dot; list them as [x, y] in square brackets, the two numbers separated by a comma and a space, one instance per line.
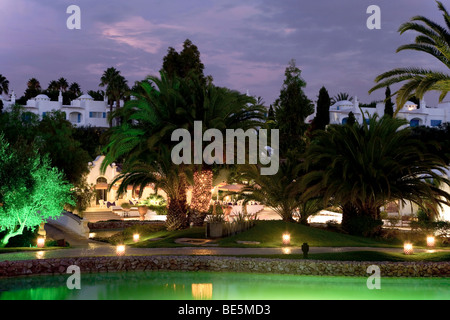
[201, 196]
[177, 207]
[118, 119]
[110, 113]
[349, 213]
[176, 214]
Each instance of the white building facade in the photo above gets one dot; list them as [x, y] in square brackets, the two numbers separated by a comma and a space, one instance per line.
[83, 111]
[416, 115]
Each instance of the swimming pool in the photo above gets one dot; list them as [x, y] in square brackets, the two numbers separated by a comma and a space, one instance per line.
[219, 286]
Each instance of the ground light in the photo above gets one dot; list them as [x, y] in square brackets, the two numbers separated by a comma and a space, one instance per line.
[120, 250]
[40, 242]
[408, 248]
[286, 239]
[136, 237]
[431, 241]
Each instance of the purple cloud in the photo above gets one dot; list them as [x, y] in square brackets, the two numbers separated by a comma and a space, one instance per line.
[244, 45]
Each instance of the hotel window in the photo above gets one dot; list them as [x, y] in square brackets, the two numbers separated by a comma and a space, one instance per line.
[97, 115]
[436, 123]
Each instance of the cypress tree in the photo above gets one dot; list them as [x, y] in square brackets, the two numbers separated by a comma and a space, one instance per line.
[388, 105]
[322, 118]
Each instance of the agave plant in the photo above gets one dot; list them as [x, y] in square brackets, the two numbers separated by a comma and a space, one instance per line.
[434, 40]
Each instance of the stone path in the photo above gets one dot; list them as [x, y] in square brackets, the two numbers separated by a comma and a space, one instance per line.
[96, 249]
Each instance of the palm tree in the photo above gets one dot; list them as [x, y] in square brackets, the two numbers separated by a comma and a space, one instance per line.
[362, 167]
[116, 87]
[281, 192]
[433, 39]
[53, 86]
[165, 176]
[62, 84]
[75, 89]
[34, 84]
[140, 141]
[169, 103]
[4, 85]
[217, 108]
[341, 96]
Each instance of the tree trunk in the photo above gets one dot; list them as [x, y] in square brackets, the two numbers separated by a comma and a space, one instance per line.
[118, 119]
[201, 196]
[361, 221]
[176, 214]
[110, 113]
[349, 213]
[10, 235]
[177, 207]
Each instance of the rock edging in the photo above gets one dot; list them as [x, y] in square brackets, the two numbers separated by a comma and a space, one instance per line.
[227, 264]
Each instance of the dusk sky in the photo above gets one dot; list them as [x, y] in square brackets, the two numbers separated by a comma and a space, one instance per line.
[244, 45]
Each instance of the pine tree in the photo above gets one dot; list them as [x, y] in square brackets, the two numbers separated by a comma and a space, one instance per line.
[291, 109]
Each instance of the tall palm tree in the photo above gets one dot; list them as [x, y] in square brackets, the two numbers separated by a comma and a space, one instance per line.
[341, 96]
[53, 86]
[62, 84]
[168, 103]
[362, 167]
[34, 84]
[433, 39]
[75, 89]
[217, 108]
[116, 87]
[140, 142]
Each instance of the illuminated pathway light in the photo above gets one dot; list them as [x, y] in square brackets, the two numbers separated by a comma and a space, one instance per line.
[40, 242]
[430, 241]
[408, 248]
[286, 238]
[120, 250]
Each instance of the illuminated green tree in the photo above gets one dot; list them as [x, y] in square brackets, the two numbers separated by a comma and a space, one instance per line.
[31, 191]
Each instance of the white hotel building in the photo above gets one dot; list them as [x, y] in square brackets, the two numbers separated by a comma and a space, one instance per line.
[83, 111]
[416, 115]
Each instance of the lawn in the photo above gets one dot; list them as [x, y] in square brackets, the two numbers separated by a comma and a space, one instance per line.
[269, 234]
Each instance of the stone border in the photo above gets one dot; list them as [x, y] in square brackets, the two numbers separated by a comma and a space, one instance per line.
[226, 264]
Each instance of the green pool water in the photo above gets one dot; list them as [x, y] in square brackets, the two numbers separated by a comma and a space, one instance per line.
[220, 286]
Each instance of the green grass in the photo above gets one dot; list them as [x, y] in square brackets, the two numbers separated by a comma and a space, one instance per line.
[364, 256]
[22, 249]
[269, 234]
[167, 238]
